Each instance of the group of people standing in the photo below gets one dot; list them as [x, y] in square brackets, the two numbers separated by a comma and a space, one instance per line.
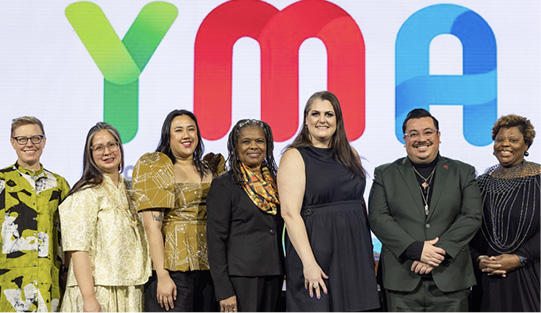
[188, 234]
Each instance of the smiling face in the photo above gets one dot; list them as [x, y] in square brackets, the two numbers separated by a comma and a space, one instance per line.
[105, 153]
[28, 155]
[183, 137]
[252, 147]
[321, 123]
[509, 146]
[423, 149]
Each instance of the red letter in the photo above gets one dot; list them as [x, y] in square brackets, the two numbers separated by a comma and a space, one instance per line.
[280, 35]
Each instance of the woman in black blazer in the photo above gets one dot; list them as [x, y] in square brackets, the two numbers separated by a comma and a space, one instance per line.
[244, 225]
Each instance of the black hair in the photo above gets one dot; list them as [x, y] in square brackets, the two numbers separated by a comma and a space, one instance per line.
[165, 145]
[419, 113]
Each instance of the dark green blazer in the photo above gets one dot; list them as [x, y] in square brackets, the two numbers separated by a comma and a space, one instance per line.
[397, 218]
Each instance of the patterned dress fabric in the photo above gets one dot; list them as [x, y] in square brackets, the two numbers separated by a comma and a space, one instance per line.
[185, 217]
[31, 255]
[102, 221]
[511, 209]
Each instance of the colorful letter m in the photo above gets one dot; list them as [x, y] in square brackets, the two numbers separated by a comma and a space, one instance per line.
[279, 34]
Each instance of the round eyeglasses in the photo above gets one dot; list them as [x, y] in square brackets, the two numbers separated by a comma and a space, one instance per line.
[100, 149]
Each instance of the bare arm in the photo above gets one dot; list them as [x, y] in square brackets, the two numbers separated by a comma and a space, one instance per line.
[167, 290]
[83, 274]
[291, 186]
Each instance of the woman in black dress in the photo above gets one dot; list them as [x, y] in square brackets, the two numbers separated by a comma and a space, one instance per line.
[244, 223]
[506, 249]
[329, 257]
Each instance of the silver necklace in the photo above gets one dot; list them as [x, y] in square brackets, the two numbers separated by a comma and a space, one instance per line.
[425, 192]
[504, 191]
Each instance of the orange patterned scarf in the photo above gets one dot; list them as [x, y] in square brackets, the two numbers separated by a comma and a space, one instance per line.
[261, 189]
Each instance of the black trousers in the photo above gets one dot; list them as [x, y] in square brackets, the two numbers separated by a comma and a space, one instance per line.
[195, 293]
[257, 294]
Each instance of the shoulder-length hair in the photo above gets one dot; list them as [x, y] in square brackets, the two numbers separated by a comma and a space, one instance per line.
[165, 142]
[92, 175]
[339, 143]
[233, 154]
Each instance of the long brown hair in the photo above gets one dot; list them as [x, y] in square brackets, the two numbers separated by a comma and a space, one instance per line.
[339, 142]
[92, 175]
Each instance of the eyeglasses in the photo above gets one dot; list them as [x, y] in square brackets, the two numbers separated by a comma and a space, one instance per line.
[429, 133]
[100, 149]
[22, 140]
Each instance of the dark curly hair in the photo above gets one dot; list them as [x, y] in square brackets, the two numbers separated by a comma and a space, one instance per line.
[232, 145]
[524, 126]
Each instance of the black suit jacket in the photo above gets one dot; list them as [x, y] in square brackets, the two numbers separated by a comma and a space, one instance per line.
[242, 239]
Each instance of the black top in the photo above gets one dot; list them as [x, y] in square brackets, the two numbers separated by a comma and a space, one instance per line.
[327, 180]
[242, 239]
[512, 216]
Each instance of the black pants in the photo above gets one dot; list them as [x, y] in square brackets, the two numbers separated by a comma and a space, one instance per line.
[195, 293]
[427, 298]
[257, 294]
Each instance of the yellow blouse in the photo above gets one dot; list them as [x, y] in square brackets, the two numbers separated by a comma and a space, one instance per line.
[185, 216]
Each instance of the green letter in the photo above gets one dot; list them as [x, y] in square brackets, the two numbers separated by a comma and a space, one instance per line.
[121, 62]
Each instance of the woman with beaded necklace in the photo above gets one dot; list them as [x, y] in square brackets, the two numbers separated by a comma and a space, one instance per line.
[506, 249]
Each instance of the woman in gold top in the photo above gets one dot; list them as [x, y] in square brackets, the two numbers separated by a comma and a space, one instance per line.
[110, 262]
[171, 187]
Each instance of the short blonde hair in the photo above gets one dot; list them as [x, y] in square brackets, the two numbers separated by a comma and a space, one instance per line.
[25, 120]
[524, 126]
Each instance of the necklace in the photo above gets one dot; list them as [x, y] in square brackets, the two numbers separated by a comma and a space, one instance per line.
[425, 191]
[510, 197]
[424, 195]
[426, 183]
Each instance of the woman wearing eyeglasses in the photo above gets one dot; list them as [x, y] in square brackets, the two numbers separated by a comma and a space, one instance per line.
[110, 262]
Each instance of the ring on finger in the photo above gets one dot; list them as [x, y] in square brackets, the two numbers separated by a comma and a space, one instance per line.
[315, 285]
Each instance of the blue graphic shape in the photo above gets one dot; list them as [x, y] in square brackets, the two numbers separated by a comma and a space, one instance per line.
[475, 90]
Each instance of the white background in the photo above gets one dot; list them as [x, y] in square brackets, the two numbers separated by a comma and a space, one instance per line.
[46, 71]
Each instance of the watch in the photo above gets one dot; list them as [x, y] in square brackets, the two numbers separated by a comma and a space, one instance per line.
[523, 260]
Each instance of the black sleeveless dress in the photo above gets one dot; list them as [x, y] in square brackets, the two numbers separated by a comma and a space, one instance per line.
[337, 227]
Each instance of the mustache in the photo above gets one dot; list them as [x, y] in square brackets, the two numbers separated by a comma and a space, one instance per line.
[422, 143]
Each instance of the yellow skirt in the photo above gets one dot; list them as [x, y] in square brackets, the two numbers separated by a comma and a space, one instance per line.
[111, 299]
